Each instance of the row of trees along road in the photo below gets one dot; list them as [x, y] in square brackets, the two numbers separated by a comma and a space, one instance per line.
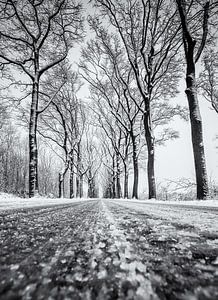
[133, 63]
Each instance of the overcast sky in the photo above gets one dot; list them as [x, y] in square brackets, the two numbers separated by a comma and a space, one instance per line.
[175, 160]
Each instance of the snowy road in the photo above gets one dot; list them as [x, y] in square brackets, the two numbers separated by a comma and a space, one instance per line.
[109, 250]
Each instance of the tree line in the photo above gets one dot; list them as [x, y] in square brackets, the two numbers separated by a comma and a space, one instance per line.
[133, 63]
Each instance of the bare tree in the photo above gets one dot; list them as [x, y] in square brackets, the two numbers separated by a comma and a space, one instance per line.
[63, 122]
[108, 90]
[13, 161]
[92, 160]
[194, 18]
[208, 79]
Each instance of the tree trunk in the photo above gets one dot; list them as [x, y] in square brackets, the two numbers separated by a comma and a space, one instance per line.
[191, 92]
[135, 167]
[77, 185]
[89, 184]
[196, 129]
[81, 186]
[113, 180]
[126, 179]
[78, 170]
[17, 185]
[118, 185]
[33, 156]
[71, 178]
[150, 148]
[60, 186]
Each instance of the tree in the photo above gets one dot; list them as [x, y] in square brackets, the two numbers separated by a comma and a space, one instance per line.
[35, 37]
[63, 122]
[47, 171]
[208, 79]
[117, 150]
[193, 51]
[13, 161]
[92, 160]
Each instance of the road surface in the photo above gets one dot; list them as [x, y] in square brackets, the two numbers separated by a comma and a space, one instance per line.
[109, 249]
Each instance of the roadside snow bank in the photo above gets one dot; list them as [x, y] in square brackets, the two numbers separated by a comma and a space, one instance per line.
[202, 203]
[8, 201]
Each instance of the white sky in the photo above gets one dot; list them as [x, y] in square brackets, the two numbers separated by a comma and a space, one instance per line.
[175, 160]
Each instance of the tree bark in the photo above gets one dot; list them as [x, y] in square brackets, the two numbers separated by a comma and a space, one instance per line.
[81, 186]
[135, 167]
[78, 170]
[196, 130]
[71, 178]
[33, 156]
[77, 185]
[113, 180]
[118, 185]
[191, 92]
[60, 185]
[90, 184]
[150, 148]
[126, 181]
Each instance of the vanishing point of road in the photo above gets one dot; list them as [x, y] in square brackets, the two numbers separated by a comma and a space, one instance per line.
[109, 249]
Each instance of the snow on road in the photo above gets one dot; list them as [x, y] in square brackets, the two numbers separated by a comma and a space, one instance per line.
[128, 259]
[108, 249]
[210, 203]
[204, 218]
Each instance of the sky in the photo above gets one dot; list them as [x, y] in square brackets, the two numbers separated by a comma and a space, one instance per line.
[175, 159]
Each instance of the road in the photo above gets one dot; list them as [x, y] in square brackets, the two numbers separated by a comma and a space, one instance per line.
[109, 249]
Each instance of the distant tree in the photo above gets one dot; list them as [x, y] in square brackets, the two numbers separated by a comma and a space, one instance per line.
[13, 161]
[35, 37]
[115, 135]
[47, 171]
[208, 79]
[111, 85]
[63, 122]
[109, 170]
[92, 160]
[4, 114]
